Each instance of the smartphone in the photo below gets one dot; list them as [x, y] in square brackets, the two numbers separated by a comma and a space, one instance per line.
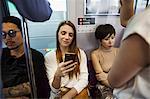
[70, 56]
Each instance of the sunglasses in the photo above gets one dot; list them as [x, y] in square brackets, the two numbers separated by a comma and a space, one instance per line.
[11, 33]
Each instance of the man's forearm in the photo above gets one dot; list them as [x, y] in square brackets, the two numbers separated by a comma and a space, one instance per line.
[16, 91]
[126, 11]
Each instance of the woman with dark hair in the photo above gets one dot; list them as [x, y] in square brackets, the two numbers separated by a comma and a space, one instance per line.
[102, 58]
[67, 79]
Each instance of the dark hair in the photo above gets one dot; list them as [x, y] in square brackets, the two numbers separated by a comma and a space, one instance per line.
[12, 19]
[103, 30]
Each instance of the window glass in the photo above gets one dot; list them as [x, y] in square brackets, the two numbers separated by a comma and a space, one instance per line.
[42, 35]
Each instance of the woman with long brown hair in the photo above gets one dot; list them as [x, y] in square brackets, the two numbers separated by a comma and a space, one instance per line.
[67, 79]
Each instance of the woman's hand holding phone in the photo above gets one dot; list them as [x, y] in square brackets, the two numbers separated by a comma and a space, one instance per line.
[69, 66]
[65, 67]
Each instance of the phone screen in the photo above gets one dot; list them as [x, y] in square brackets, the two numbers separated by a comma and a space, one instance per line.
[70, 56]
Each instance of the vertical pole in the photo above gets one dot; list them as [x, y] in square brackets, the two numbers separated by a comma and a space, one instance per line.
[147, 3]
[136, 2]
[29, 59]
[0, 47]
[4, 11]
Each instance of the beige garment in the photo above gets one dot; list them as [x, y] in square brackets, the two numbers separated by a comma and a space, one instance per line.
[106, 58]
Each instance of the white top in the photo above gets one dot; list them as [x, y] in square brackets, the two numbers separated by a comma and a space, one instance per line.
[78, 83]
[140, 89]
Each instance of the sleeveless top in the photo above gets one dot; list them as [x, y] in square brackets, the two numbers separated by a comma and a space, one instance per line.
[106, 58]
[140, 88]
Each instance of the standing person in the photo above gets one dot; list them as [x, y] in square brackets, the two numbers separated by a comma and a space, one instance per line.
[68, 76]
[127, 7]
[126, 11]
[103, 57]
[130, 73]
[13, 63]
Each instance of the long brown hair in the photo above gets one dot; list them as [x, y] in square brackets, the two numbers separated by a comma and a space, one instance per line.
[72, 48]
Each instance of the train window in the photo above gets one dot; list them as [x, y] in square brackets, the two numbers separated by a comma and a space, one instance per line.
[140, 5]
[42, 34]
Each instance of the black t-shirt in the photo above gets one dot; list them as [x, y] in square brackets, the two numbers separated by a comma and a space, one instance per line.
[14, 71]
